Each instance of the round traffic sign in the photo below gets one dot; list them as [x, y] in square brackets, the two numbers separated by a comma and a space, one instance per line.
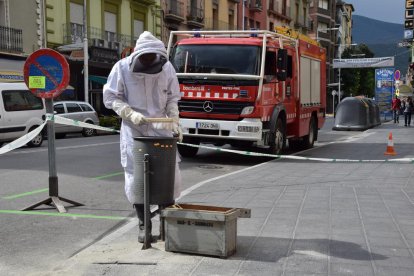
[397, 74]
[46, 73]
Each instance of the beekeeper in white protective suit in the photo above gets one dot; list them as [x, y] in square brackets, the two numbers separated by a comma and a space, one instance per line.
[143, 85]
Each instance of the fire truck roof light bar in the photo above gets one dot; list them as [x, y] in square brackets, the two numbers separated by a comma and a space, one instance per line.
[221, 76]
[232, 34]
[246, 34]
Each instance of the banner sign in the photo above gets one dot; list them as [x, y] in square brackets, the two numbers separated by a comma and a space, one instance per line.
[363, 62]
[384, 86]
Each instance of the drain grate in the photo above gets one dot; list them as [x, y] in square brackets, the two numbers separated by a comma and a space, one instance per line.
[125, 263]
[210, 167]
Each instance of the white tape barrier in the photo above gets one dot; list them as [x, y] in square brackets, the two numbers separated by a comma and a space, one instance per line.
[294, 157]
[20, 142]
[65, 121]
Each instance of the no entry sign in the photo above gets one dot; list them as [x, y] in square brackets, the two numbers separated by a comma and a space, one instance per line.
[46, 73]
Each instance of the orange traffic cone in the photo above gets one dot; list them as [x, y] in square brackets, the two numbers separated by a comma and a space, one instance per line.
[390, 147]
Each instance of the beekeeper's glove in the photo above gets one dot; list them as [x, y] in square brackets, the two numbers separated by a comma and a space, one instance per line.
[172, 112]
[126, 112]
[178, 132]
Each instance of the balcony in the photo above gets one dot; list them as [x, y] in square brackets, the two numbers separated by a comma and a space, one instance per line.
[195, 17]
[73, 34]
[174, 12]
[255, 5]
[11, 40]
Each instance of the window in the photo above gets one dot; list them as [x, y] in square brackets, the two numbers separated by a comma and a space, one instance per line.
[322, 27]
[323, 4]
[76, 22]
[73, 107]
[59, 109]
[270, 64]
[86, 107]
[221, 59]
[290, 67]
[20, 100]
[110, 21]
[138, 23]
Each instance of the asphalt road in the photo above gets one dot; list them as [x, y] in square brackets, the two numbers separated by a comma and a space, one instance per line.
[89, 172]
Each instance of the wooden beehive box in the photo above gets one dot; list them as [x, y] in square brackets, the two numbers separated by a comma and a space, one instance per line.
[206, 230]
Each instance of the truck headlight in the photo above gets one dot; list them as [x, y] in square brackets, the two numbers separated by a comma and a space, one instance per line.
[247, 110]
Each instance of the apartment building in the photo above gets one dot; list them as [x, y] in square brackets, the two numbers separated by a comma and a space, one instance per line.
[19, 36]
[324, 30]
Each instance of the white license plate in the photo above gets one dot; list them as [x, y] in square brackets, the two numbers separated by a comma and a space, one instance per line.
[204, 125]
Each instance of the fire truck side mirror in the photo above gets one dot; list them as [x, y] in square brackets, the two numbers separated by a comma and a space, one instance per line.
[282, 58]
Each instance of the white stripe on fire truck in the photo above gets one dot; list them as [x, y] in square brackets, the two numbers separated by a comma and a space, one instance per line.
[216, 95]
[190, 94]
[198, 94]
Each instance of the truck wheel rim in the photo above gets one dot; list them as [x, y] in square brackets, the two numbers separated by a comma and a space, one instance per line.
[278, 139]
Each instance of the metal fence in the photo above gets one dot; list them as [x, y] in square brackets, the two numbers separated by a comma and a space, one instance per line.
[11, 40]
[73, 33]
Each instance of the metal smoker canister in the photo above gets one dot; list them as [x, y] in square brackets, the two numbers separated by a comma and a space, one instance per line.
[162, 159]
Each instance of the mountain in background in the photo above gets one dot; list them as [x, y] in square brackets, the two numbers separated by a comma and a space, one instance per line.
[382, 39]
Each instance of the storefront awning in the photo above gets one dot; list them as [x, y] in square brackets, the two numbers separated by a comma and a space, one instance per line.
[98, 79]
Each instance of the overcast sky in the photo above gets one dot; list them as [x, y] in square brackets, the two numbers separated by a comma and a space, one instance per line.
[385, 10]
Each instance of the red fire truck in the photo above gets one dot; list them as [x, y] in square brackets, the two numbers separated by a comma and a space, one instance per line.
[249, 88]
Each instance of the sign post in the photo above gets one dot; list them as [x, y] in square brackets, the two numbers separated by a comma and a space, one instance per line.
[46, 73]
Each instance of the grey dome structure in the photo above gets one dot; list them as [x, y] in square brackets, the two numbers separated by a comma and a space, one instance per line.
[356, 113]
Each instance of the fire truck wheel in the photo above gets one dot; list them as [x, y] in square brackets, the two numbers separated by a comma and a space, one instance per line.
[278, 138]
[187, 151]
[309, 139]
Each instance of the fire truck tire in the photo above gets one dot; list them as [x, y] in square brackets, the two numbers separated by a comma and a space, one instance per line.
[309, 140]
[278, 138]
[187, 151]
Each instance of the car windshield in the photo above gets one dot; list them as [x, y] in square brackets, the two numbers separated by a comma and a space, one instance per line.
[219, 59]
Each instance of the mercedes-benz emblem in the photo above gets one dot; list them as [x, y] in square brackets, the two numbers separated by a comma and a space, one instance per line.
[208, 106]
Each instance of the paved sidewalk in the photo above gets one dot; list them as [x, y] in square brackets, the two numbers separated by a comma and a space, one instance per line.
[308, 218]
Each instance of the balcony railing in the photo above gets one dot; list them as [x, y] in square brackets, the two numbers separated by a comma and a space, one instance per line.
[174, 11]
[73, 33]
[256, 5]
[195, 17]
[11, 40]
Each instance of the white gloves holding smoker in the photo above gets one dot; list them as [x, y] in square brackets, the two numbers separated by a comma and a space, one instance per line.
[127, 113]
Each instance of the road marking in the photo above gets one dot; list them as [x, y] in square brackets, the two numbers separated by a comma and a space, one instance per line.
[64, 148]
[26, 194]
[37, 213]
[108, 175]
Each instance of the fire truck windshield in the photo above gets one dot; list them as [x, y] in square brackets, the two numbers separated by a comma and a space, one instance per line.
[216, 59]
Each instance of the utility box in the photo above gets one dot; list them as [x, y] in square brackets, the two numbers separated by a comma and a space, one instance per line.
[206, 230]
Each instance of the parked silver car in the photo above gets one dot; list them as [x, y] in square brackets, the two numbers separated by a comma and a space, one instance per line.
[79, 111]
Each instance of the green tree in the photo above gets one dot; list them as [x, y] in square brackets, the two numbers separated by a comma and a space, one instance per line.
[358, 81]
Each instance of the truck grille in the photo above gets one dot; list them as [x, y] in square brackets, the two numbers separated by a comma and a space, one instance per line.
[217, 107]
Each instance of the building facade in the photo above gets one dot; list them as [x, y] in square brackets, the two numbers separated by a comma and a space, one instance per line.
[301, 21]
[344, 22]
[19, 36]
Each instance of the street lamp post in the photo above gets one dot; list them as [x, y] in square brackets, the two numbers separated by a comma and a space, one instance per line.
[85, 54]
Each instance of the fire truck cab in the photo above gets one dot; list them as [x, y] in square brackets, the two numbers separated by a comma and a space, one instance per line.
[248, 88]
